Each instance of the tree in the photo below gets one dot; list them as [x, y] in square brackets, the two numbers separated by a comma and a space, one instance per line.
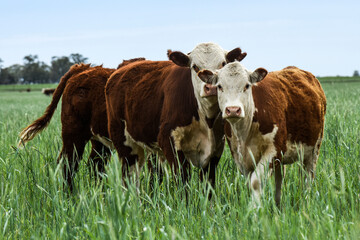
[11, 75]
[59, 66]
[356, 73]
[78, 58]
[1, 61]
[35, 71]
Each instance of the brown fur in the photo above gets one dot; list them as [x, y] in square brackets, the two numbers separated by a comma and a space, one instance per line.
[83, 114]
[295, 101]
[235, 54]
[153, 98]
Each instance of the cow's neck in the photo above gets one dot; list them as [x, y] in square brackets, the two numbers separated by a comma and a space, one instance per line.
[242, 127]
[208, 107]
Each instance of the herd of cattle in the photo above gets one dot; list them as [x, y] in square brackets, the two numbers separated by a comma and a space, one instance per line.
[182, 110]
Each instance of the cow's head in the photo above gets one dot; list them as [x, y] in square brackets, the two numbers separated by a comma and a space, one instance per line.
[234, 84]
[208, 56]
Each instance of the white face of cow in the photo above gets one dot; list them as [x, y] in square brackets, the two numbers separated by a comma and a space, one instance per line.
[234, 84]
[208, 56]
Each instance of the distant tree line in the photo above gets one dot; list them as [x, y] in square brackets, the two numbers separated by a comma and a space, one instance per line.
[35, 71]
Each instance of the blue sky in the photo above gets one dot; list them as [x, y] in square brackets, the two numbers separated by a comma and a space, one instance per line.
[322, 37]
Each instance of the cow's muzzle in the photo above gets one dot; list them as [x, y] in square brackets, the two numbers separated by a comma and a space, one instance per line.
[210, 90]
[233, 112]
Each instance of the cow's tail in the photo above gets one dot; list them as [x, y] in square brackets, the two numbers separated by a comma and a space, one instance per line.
[39, 124]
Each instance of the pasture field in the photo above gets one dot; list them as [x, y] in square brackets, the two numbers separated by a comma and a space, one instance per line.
[23, 88]
[33, 204]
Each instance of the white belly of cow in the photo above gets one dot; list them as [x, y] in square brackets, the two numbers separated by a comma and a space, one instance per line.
[297, 152]
[196, 141]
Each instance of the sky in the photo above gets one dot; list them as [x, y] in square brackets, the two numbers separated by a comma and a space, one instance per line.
[322, 37]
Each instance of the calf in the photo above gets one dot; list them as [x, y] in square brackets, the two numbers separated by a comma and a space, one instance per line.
[83, 116]
[165, 108]
[270, 119]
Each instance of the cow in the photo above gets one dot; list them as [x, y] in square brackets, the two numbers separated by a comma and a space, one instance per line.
[83, 117]
[270, 120]
[164, 108]
[48, 91]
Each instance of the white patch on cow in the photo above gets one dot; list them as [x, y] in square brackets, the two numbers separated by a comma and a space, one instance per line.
[197, 141]
[105, 141]
[297, 151]
[208, 56]
[137, 148]
[27, 136]
[251, 148]
[142, 150]
[233, 79]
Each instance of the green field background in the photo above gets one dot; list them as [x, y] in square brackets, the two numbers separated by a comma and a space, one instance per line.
[34, 205]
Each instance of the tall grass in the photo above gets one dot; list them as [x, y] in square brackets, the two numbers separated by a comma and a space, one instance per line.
[33, 203]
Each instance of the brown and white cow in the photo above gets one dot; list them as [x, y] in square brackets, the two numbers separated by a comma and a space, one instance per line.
[271, 120]
[166, 109]
[83, 116]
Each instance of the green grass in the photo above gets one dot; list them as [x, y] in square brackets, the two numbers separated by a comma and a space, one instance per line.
[338, 79]
[24, 87]
[34, 205]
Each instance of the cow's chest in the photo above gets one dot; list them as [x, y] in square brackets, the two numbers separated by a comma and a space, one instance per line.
[250, 150]
[196, 141]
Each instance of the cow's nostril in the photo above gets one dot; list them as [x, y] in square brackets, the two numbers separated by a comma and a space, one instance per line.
[228, 112]
[207, 89]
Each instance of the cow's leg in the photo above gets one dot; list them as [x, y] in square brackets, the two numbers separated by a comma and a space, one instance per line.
[155, 169]
[99, 156]
[125, 153]
[258, 176]
[176, 159]
[309, 164]
[73, 148]
[278, 171]
[210, 172]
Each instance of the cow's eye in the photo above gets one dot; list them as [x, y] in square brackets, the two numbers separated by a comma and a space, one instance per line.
[220, 88]
[196, 69]
[223, 64]
[246, 87]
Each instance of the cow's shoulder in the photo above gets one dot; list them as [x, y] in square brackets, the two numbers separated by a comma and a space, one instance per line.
[180, 105]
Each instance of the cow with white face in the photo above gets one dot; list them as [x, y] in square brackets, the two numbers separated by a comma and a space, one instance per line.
[272, 119]
[208, 56]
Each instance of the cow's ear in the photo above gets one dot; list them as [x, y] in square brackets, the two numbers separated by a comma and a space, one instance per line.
[235, 54]
[258, 75]
[207, 76]
[179, 58]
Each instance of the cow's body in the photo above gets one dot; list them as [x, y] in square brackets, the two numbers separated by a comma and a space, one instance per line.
[274, 121]
[151, 105]
[165, 108]
[83, 116]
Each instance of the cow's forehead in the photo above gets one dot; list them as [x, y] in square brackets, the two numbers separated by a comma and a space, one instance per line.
[233, 74]
[207, 55]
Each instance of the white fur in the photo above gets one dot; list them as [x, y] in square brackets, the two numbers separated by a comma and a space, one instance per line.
[197, 141]
[208, 56]
[105, 141]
